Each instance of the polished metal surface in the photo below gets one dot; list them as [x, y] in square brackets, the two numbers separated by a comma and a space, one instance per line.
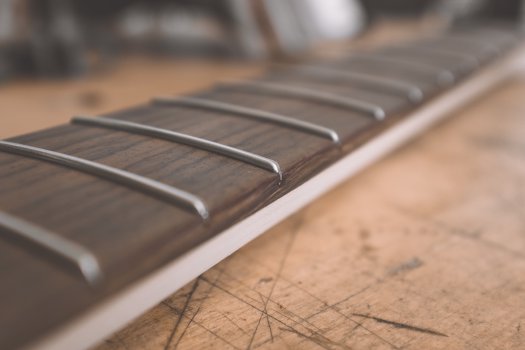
[64, 249]
[466, 62]
[384, 84]
[298, 92]
[253, 113]
[443, 77]
[502, 38]
[457, 41]
[173, 136]
[148, 186]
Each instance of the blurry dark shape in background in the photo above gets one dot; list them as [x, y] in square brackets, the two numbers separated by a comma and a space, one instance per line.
[40, 38]
[381, 8]
[58, 38]
[456, 9]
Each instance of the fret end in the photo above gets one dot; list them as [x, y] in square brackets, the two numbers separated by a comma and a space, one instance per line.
[274, 167]
[165, 100]
[446, 78]
[277, 169]
[76, 256]
[415, 95]
[80, 119]
[202, 210]
[334, 136]
[379, 113]
[90, 269]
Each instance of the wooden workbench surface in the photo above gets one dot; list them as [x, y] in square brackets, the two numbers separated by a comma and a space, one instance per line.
[424, 250]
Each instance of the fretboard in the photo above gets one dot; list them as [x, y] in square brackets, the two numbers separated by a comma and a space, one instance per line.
[91, 209]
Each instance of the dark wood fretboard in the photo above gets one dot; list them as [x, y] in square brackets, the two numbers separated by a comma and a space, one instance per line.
[88, 208]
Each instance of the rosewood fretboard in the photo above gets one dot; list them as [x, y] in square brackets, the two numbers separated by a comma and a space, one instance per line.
[89, 207]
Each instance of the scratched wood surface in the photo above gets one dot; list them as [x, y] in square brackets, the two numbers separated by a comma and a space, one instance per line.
[424, 250]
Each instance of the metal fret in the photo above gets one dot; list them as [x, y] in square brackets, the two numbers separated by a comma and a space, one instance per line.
[149, 186]
[494, 35]
[500, 41]
[470, 50]
[258, 114]
[461, 41]
[411, 91]
[444, 77]
[173, 136]
[469, 62]
[302, 93]
[74, 254]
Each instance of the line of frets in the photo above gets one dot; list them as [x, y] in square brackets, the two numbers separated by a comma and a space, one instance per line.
[441, 62]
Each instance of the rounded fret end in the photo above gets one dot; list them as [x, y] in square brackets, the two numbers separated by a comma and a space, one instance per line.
[201, 209]
[415, 95]
[379, 114]
[90, 269]
[446, 78]
[276, 168]
[334, 136]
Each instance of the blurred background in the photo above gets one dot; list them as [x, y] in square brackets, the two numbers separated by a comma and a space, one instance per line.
[64, 57]
[61, 38]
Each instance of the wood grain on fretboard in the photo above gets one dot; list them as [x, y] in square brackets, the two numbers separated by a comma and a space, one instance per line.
[133, 234]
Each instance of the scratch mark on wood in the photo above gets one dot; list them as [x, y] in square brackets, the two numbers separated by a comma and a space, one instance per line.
[261, 310]
[306, 320]
[362, 290]
[475, 236]
[302, 320]
[318, 339]
[328, 306]
[234, 323]
[192, 319]
[349, 334]
[267, 318]
[201, 301]
[287, 250]
[402, 325]
[202, 326]
[256, 328]
[181, 314]
[281, 307]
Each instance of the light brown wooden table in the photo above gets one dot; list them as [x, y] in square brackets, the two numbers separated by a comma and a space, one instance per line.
[424, 250]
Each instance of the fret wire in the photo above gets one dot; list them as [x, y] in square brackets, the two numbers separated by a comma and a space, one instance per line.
[302, 93]
[192, 141]
[498, 35]
[501, 42]
[470, 62]
[78, 256]
[146, 185]
[463, 41]
[411, 56]
[457, 49]
[444, 77]
[242, 111]
[411, 91]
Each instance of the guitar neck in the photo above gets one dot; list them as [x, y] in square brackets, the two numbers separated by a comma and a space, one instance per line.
[104, 217]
